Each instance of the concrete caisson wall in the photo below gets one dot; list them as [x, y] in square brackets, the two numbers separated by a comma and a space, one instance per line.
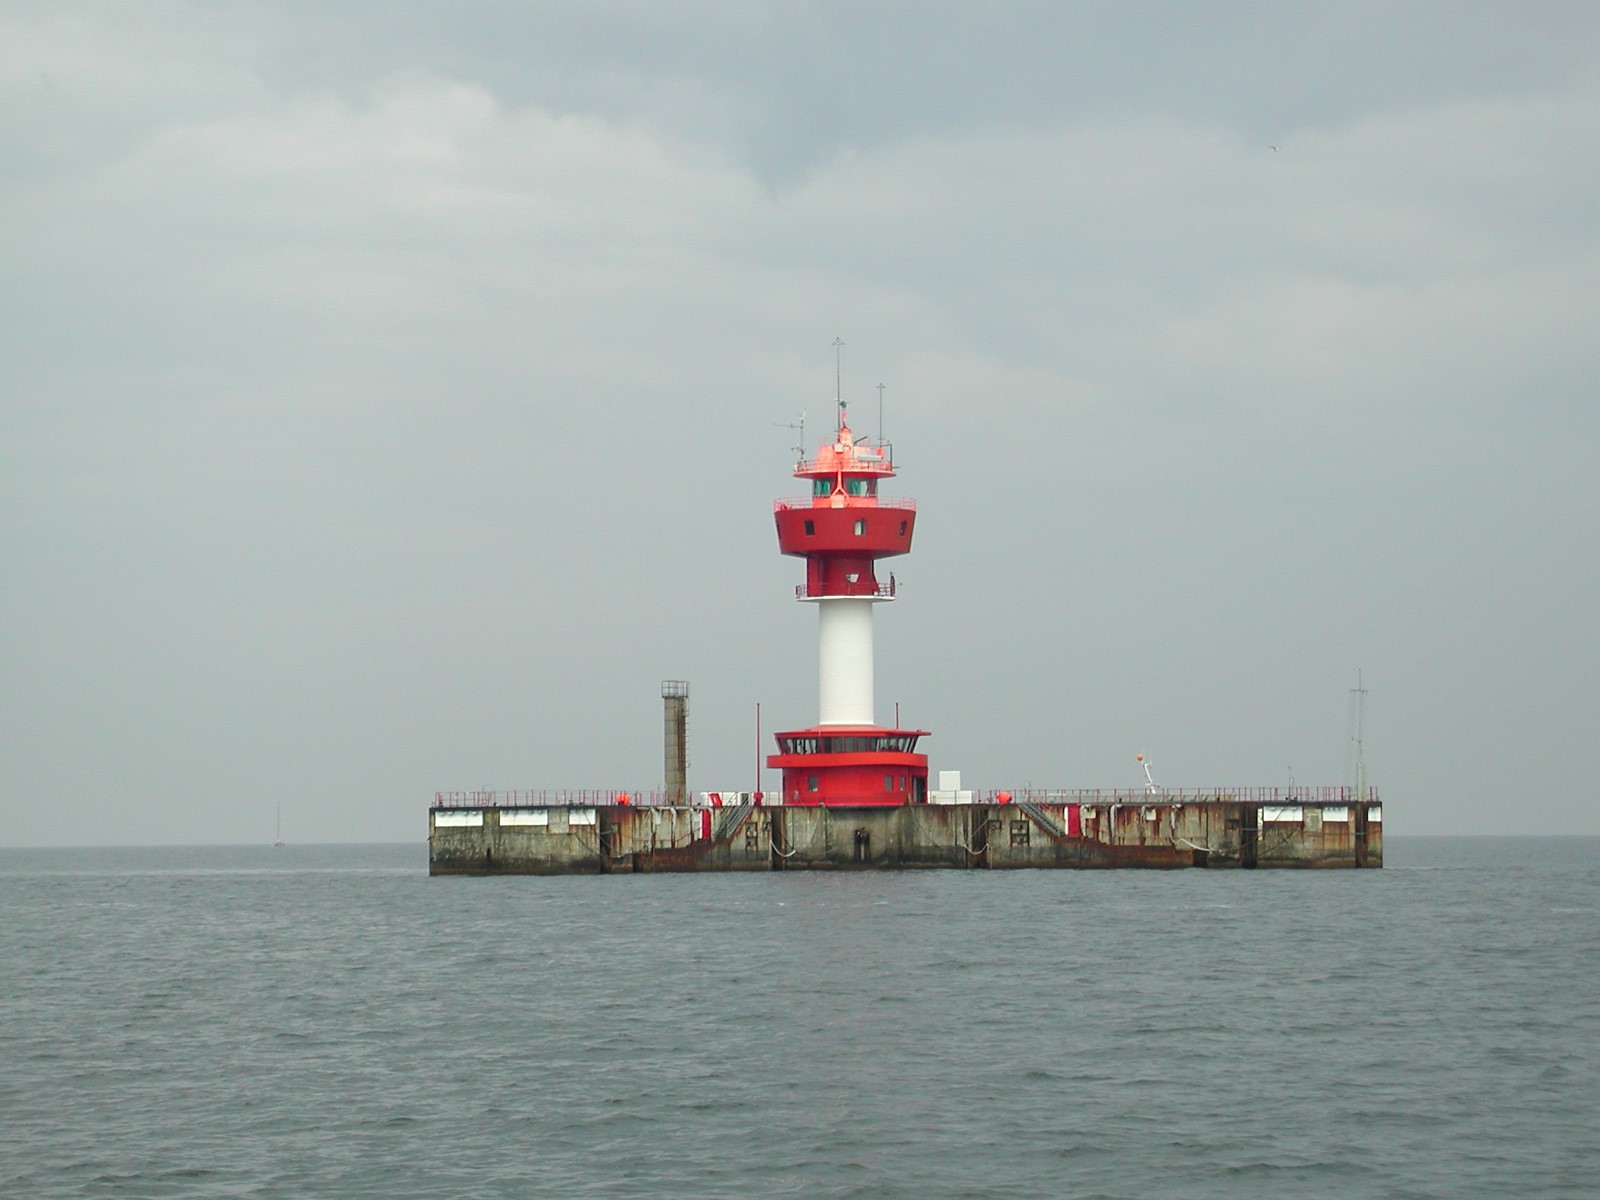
[1214, 832]
[1209, 833]
[1321, 836]
[1036, 835]
[913, 835]
[549, 841]
[689, 839]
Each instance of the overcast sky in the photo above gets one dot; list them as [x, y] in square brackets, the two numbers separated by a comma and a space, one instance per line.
[393, 396]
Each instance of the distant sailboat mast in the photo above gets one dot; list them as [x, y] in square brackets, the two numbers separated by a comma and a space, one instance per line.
[279, 840]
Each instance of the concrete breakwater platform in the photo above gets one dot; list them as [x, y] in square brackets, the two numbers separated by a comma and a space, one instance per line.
[490, 833]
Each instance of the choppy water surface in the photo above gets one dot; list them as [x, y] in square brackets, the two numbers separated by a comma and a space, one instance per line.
[330, 1022]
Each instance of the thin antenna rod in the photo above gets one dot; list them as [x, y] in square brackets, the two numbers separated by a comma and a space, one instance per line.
[880, 414]
[1361, 720]
[838, 378]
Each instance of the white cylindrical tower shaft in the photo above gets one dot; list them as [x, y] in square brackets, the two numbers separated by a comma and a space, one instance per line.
[844, 661]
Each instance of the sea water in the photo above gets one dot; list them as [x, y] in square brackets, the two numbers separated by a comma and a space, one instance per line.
[331, 1022]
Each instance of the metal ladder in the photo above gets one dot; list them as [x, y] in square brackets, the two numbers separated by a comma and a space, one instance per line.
[729, 821]
[1041, 818]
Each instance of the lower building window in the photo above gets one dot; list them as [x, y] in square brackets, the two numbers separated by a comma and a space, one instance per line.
[811, 783]
[888, 783]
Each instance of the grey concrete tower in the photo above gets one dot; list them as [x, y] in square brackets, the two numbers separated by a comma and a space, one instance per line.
[675, 702]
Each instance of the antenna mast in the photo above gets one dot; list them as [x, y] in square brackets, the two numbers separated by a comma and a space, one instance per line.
[880, 414]
[800, 424]
[838, 378]
[1358, 703]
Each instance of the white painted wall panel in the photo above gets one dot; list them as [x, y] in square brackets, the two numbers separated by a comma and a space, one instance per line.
[459, 817]
[844, 662]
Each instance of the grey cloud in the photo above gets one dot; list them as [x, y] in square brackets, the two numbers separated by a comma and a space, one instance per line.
[390, 396]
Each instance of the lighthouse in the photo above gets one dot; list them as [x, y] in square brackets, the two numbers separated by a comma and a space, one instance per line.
[842, 528]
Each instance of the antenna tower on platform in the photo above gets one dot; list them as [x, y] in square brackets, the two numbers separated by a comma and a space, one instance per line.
[1357, 722]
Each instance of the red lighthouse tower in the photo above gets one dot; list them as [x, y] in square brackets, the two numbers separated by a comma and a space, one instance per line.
[842, 529]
